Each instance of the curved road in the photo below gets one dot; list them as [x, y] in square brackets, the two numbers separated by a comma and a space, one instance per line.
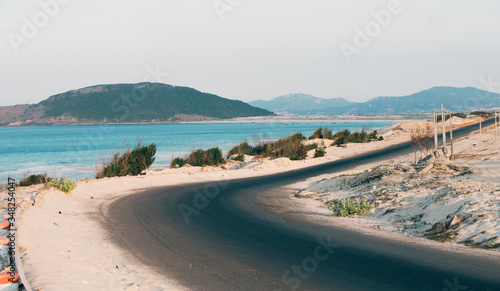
[224, 236]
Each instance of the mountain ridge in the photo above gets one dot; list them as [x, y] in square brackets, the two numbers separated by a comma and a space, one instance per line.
[453, 98]
[300, 102]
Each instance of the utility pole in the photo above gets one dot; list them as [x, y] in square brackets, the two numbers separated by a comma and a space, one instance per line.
[480, 131]
[451, 137]
[496, 131]
[443, 118]
[435, 132]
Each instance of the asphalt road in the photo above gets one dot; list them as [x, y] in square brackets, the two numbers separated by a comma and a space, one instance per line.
[220, 236]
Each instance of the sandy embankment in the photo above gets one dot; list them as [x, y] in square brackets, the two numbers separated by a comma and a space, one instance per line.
[64, 247]
[449, 200]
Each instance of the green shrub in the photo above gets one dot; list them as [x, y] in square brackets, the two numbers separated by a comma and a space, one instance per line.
[312, 146]
[34, 180]
[317, 134]
[177, 163]
[345, 137]
[240, 158]
[347, 206]
[290, 147]
[210, 157]
[359, 137]
[328, 134]
[322, 133]
[342, 137]
[319, 153]
[130, 163]
[447, 116]
[243, 148]
[372, 136]
[64, 184]
[481, 113]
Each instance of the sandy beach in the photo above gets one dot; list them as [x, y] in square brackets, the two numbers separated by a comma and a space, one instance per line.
[64, 247]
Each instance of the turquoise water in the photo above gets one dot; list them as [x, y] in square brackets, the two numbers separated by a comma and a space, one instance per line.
[76, 150]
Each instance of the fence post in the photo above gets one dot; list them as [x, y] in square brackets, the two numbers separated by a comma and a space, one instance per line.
[435, 132]
[443, 118]
[496, 125]
[451, 137]
[480, 131]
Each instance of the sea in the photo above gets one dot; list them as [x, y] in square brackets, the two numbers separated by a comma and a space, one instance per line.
[77, 151]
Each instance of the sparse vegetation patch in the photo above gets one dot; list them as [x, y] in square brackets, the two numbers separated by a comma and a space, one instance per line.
[64, 184]
[347, 207]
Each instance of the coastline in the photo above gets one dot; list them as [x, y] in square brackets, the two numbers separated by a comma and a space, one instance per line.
[396, 118]
[76, 151]
[46, 261]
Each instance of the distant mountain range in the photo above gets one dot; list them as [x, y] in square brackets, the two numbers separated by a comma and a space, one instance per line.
[300, 104]
[454, 99]
[127, 103]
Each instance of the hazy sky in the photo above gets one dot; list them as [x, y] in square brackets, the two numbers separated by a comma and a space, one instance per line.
[248, 49]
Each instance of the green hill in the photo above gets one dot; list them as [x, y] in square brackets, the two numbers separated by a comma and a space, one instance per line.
[129, 103]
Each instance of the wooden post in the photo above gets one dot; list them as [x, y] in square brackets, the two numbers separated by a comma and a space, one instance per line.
[451, 137]
[443, 118]
[434, 121]
[496, 132]
[435, 131]
[480, 131]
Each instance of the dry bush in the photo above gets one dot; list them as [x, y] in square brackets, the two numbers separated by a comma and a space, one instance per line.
[422, 135]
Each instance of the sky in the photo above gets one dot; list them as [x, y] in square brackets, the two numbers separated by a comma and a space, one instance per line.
[249, 49]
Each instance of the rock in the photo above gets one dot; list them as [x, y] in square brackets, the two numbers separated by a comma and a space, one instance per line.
[439, 227]
[459, 220]
[420, 224]
[409, 226]
[455, 222]
[450, 223]
[416, 217]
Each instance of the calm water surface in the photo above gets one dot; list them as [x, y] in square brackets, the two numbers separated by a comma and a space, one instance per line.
[75, 151]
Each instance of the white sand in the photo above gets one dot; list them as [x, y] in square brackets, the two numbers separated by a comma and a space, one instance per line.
[76, 254]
